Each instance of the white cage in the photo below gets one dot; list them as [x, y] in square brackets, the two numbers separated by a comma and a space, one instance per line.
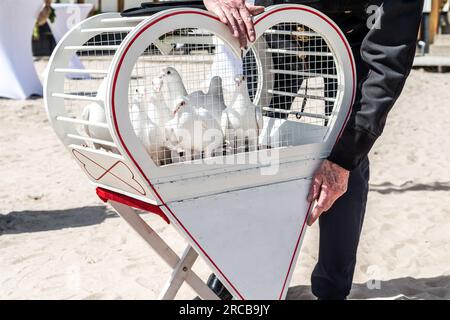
[173, 116]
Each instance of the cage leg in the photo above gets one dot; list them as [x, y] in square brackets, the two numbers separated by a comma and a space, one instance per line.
[178, 276]
[162, 249]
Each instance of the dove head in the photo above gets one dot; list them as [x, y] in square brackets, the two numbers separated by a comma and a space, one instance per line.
[138, 95]
[172, 79]
[169, 73]
[215, 84]
[215, 87]
[180, 105]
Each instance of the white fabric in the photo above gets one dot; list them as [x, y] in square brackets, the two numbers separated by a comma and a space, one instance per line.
[18, 78]
[67, 16]
[226, 65]
[427, 6]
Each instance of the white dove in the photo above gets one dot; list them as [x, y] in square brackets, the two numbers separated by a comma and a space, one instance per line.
[139, 118]
[212, 100]
[157, 109]
[242, 120]
[149, 122]
[95, 112]
[194, 130]
[172, 85]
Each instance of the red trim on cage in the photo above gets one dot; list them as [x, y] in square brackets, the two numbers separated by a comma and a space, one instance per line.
[108, 195]
[148, 180]
[295, 250]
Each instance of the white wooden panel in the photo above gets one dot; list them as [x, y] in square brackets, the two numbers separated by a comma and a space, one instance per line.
[105, 170]
[252, 236]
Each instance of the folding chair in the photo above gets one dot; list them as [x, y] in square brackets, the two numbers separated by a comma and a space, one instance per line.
[241, 206]
[181, 266]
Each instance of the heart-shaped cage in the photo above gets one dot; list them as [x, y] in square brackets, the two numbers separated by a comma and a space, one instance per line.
[168, 109]
[299, 73]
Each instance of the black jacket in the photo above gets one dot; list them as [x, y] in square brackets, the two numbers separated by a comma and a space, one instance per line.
[384, 58]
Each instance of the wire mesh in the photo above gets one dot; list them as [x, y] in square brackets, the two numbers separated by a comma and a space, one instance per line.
[190, 97]
[85, 85]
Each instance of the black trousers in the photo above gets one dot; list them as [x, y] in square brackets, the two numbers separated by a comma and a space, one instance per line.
[340, 230]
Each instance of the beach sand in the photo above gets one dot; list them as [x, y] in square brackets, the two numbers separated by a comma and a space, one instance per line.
[59, 241]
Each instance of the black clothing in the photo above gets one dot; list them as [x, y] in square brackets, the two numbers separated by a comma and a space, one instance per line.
[384, 58]
[340, 230]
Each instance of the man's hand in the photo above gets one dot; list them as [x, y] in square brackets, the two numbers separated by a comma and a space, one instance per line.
[237, 15]
[329, 184]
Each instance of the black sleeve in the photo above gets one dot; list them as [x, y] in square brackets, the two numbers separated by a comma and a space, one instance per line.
[388, 52]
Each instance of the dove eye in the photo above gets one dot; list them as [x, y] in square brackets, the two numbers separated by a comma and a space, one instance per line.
[168, 72]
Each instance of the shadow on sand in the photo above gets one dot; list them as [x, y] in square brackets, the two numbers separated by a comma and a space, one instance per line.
[407, 288]
[36, 221]
[401, 288]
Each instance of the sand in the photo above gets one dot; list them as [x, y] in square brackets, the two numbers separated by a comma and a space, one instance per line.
[58, 241]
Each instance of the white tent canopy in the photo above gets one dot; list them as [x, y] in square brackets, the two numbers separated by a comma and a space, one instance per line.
[18, 79]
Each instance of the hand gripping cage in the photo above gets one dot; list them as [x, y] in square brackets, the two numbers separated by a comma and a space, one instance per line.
[173, 117]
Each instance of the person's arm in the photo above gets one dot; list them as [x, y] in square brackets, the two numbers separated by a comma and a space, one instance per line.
[237, 15]
[388, 52]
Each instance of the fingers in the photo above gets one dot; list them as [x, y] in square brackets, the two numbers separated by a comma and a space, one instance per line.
[315, 214]
[231, 23]
[327, 197]
[314, 190]
[237, 15]
[320, 207]
[254, 10]
[241, 27]
[329, 184]
[219, 12]
[246, 16]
